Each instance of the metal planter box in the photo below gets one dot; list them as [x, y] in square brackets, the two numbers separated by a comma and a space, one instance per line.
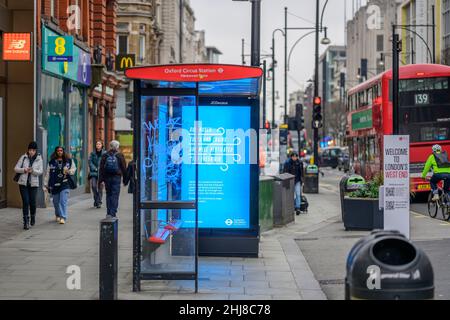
[362, 214]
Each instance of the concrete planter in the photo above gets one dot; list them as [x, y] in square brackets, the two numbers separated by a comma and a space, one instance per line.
[362, 214]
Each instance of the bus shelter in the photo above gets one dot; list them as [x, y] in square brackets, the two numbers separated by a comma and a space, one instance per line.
[196, 155]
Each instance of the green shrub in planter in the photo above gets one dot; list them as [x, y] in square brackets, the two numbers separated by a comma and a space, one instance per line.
[361, 210]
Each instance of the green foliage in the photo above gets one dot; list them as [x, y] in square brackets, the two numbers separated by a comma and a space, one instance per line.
[370, 190]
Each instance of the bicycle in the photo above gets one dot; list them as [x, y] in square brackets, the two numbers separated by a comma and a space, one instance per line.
[443, 203]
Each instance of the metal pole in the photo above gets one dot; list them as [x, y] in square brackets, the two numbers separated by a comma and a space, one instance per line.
[273, 81]
[256, 32]
[412, 50]
[264, 91]
[434, 34]
[243, 52]
[285, 66]
[181, 31]
[316, 83]
[395, 79]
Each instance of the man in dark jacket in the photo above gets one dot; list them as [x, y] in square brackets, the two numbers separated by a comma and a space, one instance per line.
[112, 168]
[295, 167]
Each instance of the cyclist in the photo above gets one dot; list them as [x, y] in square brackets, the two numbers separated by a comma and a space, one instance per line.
[438, 161]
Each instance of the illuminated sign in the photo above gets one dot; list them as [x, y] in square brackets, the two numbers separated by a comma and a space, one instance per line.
[60, 49]
[17, 46]
[125, 61]
[224, 165]
[193, 73]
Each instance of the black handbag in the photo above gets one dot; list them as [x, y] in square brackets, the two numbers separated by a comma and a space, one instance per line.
[17, 175]
[72, 181]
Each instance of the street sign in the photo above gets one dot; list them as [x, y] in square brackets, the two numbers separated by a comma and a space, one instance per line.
[17, 47]
[60, 48]
[396, 184]
[125, 61]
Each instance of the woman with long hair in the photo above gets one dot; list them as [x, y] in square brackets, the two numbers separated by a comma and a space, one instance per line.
[28, 170]
[94, 164]
[59, 170]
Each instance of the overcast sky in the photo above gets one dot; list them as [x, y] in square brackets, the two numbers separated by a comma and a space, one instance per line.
[226, 22]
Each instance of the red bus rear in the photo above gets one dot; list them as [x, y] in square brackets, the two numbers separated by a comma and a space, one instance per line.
[424, 115]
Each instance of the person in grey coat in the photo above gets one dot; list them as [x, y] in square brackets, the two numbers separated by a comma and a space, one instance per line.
[30, 168]
[94, 164]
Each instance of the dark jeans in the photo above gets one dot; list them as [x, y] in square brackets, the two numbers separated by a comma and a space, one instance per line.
[28, 195]
[97, 191]
[112, 186]
[440, 177]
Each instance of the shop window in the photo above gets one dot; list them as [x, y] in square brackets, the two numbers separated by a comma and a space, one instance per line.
[53, 114]
[76, 103]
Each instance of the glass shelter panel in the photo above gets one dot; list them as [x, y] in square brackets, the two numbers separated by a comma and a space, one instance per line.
[168, 226]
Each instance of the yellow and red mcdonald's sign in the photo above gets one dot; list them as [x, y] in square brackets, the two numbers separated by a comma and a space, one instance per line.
[125, 61]
[17, 46]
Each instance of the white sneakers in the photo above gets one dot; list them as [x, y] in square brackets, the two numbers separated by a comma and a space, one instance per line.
[60, 220]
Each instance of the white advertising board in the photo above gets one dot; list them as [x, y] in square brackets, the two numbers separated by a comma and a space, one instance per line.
[396, 184]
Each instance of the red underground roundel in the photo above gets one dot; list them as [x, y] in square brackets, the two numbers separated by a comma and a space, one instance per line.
[193, 72]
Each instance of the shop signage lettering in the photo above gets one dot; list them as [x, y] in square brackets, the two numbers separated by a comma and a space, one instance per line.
[362, 120]
[79, 69]
[396, 183]
[17, 46]
[194, 73]
[125, 61]
[60, 49]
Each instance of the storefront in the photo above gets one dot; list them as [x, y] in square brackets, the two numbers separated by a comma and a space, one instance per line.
[63, 108]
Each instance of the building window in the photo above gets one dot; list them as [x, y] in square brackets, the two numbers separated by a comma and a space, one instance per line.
[446, 14]
[122, 44]
[380, 43]
[142, 48]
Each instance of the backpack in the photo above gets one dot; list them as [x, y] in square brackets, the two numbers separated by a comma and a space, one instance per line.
[111, 164]
[442, 160]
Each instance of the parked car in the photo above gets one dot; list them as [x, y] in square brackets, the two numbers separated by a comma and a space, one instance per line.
[329, 157]
[344, 160]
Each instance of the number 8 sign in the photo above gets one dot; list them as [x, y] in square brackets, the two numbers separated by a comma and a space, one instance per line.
[60, 48]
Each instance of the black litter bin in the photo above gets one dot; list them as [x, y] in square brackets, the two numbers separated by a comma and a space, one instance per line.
[405, 272]
[283, 199]
[311, 180]
[358, 245]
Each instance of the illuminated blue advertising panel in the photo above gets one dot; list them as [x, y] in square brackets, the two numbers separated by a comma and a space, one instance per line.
[224, 166]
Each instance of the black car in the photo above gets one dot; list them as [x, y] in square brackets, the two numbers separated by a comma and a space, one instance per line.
[344, 160]
[329, 157]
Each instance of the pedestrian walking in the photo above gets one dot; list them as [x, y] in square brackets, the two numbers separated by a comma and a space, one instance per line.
[295, 167]
[28, 169]
[59, 179]
[94, 164]
[112, 169]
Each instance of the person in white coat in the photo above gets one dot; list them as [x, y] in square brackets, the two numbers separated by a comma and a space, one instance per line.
[29, 167]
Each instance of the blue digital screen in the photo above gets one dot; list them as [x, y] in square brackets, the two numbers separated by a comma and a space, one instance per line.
[223, 165]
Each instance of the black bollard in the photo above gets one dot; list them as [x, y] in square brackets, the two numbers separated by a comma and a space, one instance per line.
[108, 258]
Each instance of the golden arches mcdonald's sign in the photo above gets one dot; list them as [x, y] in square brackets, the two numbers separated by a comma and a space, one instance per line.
[125, 61]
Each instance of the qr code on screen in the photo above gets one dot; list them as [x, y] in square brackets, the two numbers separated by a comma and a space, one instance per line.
[390, 205]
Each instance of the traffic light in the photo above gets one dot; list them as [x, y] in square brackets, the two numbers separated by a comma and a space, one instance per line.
[267, 126]
[129, 112]
[299, 116]
[317, 113]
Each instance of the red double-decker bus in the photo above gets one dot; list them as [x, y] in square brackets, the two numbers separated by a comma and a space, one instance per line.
[424, 115]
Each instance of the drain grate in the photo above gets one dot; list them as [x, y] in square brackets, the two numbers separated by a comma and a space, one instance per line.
[331, 282]
[306, 239]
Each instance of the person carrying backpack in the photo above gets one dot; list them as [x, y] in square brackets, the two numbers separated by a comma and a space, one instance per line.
[112, 169]
[439, 162]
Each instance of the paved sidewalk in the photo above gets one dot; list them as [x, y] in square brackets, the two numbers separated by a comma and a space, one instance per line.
[33, 263]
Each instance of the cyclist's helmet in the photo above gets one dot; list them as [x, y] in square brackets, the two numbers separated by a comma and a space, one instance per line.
[437, 148]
